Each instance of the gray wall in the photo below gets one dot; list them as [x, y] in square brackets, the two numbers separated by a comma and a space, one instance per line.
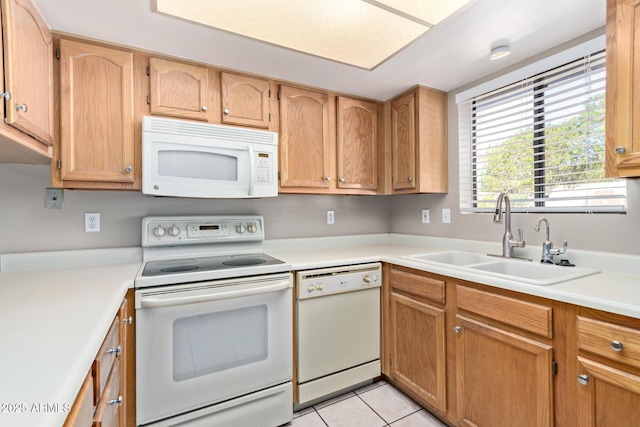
[26, 225]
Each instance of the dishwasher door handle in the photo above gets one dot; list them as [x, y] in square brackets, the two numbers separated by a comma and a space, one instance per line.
[171, 299]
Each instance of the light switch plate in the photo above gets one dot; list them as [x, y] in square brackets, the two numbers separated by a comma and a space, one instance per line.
[425, 216]
[446, 216]
[330, 217]
[54, 198]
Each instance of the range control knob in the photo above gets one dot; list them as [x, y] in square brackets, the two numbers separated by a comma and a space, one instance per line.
[159, 231]
[173, 231]
[241, 228]
[252, 227]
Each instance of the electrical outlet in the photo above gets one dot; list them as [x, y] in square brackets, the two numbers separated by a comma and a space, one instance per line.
[330, 217]
[54, 198]
[446, 216]
[425, 216]
[92, 222]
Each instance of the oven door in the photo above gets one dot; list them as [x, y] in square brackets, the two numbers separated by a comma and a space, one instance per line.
[200, 344]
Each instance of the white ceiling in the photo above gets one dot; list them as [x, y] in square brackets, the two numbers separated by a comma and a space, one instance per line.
[450, 55]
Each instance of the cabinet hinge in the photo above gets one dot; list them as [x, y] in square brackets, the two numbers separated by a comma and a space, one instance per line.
[148, 99]
[269, 116]
[148, 70]
[57, 53]
[269, 93]
[59, 163]
[278, 95]
[554, 367]
[279, 175]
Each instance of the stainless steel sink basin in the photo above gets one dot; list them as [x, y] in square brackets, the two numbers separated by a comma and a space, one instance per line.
[510, 269]
[452, 258]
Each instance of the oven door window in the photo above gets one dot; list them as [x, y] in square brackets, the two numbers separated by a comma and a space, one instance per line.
[214, 342]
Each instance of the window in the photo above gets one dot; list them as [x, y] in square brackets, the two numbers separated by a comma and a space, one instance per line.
[541, 140]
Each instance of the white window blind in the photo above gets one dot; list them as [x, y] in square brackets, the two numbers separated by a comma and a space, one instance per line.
[541, 140]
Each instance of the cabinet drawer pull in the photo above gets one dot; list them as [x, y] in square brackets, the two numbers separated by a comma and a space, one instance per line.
[22, 107]
[616, 346]
[583, 379]
[116, 350]
[117, 401]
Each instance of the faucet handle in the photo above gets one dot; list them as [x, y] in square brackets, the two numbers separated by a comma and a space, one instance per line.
[559, 251]
[521, 234]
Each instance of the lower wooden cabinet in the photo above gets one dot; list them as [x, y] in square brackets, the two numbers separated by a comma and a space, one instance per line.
[416, 331]
[608, 369]
[106, 398]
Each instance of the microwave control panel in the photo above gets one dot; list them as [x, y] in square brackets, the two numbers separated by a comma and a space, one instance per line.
[174, 231]
[264, 168]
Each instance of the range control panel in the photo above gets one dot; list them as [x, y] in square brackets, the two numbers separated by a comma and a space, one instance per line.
[186, 230]
[335, 280]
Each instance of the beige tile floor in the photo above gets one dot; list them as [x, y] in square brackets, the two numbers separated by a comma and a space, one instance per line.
[376, 405]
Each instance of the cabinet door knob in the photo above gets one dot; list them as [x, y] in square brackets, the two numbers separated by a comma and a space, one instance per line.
[327, 178]
[409, 179]
[226, 111]
[5, 95]
[116, 350]
[342, 179]
[22, 107]
[204, 108]
[616, 346]
[128, 320]
[620, 150]
[128, 168]
[457, 329]
[583, 379]
[117, 401]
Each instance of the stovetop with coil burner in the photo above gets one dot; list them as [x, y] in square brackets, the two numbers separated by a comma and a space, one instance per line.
[191, 249]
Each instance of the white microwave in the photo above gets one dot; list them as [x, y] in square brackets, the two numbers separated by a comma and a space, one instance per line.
[190, 159]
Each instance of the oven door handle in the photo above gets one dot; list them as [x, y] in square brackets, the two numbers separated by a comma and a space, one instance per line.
[167, 300]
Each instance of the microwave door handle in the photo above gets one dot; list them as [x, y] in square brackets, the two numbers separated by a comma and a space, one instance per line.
[168, 300]
[252, 165]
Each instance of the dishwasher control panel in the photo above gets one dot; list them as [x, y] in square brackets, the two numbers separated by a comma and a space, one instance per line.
[335, 280]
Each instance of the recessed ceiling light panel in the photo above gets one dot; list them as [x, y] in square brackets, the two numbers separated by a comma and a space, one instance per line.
[353, 32]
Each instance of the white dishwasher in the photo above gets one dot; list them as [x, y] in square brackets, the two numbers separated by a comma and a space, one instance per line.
[338, 329]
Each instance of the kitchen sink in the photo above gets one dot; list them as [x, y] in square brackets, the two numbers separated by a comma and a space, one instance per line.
[532, 272]
[510, 269]
[451, 257]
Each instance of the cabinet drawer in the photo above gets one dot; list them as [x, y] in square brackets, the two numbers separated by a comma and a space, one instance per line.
[81, 413]
[609, 340]
[527, 316]
[107, 413]
[104, 360]
[407, 281]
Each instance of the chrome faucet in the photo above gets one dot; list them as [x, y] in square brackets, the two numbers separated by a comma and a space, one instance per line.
[547, 246]
[508, 243]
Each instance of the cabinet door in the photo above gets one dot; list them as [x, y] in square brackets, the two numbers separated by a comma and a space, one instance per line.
[304, 139]
[502, 378]
[403, 142]
[357, 144]
[623, 88]
[28, 69]
[178, 89]
[607, 396]
[245, 100]
[96, 113]
[418, 351]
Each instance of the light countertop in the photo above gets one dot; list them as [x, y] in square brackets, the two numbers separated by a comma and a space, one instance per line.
[54, 319]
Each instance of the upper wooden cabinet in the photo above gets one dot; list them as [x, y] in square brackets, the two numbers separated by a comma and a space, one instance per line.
[305, 140]
[357, 156]
[623, 88]
[97, 148]
[178, 89]
[28, 85]
[329, 144]
[245, 100]
[418, 142]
